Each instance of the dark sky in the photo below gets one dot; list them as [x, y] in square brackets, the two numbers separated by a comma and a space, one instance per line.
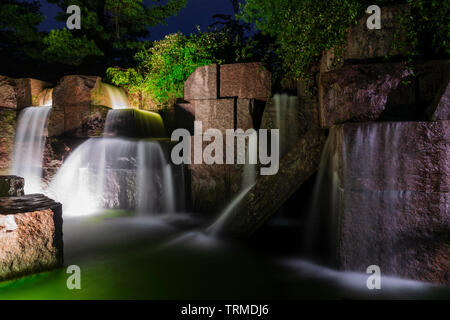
[196, 12]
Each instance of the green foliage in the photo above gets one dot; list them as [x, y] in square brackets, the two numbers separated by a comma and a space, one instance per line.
[116, 26]
[18, 27]
[63, 47]
[164, 66]
[306, 28]
[427, 26]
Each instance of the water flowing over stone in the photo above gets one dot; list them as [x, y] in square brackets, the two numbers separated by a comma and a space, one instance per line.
[29, 147]
[286, 111]
[115, 172]
[134, 123]
[382, 198]
[117, 96]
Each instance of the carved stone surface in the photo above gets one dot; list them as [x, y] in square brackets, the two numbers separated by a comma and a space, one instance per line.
[365, 44]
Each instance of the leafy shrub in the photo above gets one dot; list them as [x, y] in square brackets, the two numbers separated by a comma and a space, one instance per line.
[306, 28]
[164, 66]
[63, 47]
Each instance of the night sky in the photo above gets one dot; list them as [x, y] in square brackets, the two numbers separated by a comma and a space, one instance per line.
[196, 12]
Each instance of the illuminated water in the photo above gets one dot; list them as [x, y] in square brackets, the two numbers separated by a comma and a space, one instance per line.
[29, 147]
[117, 96]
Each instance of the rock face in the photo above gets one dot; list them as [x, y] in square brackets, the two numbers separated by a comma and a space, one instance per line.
[365, 44]
[8, 122]
[221, 97]
[359, 92]
[202, 83]
[20, 93]
[440, 109]
[245, 81]
[11, 186]
[394, 186]
[30, 235]
[270, 192]
[79, 107]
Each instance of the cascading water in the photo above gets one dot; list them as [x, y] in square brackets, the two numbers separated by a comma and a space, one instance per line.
[323, 212]
[117, 97]
[286, 112]
[45, 97]
[248, 181]
[114, 172]
[29, 147]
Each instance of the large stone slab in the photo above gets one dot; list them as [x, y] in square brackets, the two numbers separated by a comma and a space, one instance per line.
[29, 91]
[20, 93]
[394, 198]
[202, 83]
[7, 93]
[80, 105]
[245, 81]
[360, 92]
[30, 235]
[11, 186]
[216, 114]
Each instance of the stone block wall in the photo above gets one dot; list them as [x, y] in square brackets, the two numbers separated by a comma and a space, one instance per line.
[15, 94]
[222, 97]
[80, 106]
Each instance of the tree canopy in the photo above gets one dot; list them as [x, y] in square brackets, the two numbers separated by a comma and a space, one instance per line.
[110, 29]
[19, 35]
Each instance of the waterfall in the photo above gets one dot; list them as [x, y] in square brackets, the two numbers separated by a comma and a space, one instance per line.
[323, 211]
[117, 97]
[29, 147]
[119, 173]
[286, 113]
[46, 97]
[248, 181]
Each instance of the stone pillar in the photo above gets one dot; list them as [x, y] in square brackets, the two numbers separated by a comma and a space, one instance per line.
[222, 97]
